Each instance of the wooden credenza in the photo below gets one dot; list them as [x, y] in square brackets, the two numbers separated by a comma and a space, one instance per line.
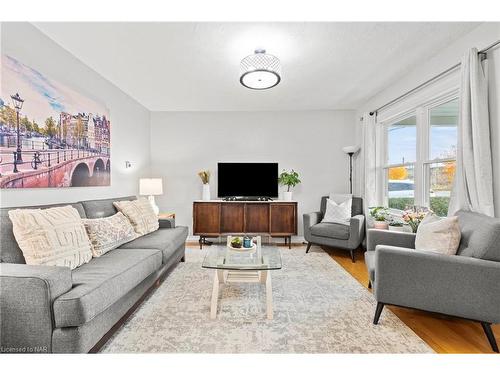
[217, 218]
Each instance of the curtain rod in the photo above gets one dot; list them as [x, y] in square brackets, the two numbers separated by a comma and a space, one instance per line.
[483, 51]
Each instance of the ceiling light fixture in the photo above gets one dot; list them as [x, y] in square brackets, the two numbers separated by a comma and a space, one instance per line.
[260, 71]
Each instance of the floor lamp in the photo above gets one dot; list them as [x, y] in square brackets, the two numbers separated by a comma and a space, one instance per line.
[350, 150]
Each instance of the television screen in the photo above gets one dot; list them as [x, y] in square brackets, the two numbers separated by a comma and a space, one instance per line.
[247, 180]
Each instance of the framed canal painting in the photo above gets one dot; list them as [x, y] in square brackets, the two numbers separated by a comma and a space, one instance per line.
[50, 135]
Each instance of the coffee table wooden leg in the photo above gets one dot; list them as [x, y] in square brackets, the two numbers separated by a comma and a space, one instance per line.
[215, 295]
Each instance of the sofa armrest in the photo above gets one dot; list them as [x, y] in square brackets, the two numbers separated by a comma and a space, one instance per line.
[167, 223]
[27, 293]
[449, 284]
[375, 237]
[357, 229]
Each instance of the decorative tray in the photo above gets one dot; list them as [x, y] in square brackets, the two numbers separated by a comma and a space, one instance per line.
[242, 249]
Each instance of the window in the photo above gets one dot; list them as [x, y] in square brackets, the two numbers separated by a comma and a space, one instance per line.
[440, 167]
[420, 156]
[400, 162]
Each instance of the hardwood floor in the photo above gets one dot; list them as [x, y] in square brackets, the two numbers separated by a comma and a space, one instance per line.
[442, 333]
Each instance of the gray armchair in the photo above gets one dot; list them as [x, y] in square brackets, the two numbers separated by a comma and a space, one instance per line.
[466, 285]
[347, 237]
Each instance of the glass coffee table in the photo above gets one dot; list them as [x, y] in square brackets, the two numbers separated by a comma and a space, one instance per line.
[242, 266]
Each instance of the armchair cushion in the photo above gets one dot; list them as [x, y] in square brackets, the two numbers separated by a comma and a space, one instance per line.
[331, 230]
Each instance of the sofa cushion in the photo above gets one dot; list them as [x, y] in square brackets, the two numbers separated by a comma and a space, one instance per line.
[480, 236]
[331, 230]
[98, 208]
[356, 207]
[108, 233]
[52, 236]
[165, 239]
[103, 281]
[9, 249]
[140, 213]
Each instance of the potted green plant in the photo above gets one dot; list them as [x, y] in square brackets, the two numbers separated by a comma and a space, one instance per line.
[379, 215]
[396, 225]
[288, 179]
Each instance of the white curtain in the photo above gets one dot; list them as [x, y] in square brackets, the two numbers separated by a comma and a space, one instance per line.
[473, 186]
[369, 161]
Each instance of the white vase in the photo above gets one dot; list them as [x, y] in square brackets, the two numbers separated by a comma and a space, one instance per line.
[396, 229]
[287, 196]
[206, 192]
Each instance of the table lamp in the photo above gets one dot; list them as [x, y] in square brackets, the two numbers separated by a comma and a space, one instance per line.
[151, 187]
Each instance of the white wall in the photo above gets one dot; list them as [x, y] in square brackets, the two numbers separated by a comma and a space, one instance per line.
[130, 121]
[480, 37]
[182, 143]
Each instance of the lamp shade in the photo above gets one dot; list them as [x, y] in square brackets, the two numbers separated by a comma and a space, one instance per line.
[150, 186]
[350, 149]
[260, 71]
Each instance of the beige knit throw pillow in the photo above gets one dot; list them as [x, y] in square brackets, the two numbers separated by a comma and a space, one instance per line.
[53, 236]
[141, 215]
[439, 235]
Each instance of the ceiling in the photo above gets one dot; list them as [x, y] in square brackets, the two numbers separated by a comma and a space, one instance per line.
[195, 66]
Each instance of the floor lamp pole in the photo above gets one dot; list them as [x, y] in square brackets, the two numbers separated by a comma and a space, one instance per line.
[350, 171]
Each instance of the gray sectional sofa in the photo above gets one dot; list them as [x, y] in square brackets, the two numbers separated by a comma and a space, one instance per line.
[57, 310]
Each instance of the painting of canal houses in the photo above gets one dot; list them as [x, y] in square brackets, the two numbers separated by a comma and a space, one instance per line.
[50, 135]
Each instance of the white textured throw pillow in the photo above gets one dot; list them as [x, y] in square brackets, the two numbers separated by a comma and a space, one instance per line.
[337, 213]
[108, 233]
[439, 235]
[340, 198]
[52, 237]
[141, 215]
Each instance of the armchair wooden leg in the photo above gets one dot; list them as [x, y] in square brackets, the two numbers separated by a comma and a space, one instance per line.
[491, 337]
[378, 311]
[369, 284]
[352, 256]
[308, 247]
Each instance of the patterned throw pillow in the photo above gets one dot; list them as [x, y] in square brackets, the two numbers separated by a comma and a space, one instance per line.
[439, 235]
[141, 215]
[52, 236]
[337, 213]
[108, 233]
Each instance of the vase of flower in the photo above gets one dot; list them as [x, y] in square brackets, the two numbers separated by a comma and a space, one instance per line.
[414, 216]
[205, 179]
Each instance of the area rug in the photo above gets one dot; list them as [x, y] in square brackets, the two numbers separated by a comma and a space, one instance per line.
[318, 308]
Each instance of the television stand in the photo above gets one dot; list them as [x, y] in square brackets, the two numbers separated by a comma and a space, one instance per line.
[247, 199]
[219, 218]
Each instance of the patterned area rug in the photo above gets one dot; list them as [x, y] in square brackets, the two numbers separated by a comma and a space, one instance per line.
[318, 308]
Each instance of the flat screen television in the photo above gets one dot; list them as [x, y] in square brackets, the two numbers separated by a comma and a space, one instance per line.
[247, 180]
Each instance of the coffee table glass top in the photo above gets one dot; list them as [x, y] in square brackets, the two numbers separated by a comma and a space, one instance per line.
[260, 259]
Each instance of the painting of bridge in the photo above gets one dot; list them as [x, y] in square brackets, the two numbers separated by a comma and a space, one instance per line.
[50, 135]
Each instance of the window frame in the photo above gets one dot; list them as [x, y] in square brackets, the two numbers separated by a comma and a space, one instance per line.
[422, 112]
